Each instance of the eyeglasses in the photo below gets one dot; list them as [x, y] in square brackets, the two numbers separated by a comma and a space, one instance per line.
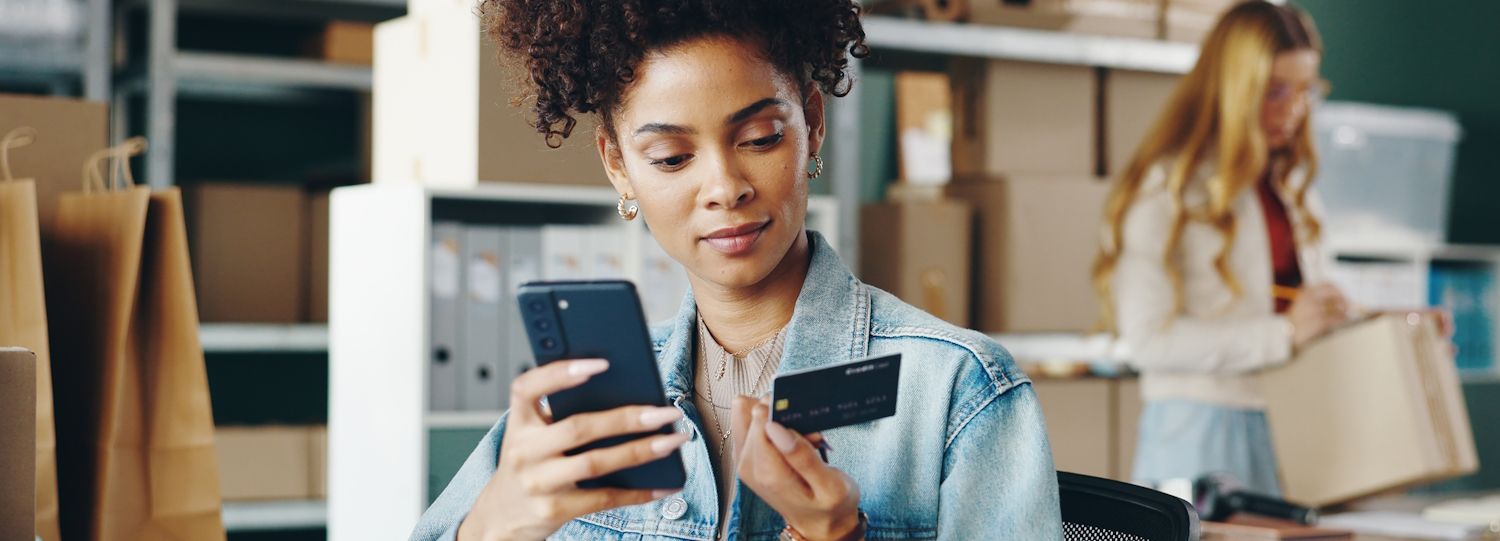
[1281, 95]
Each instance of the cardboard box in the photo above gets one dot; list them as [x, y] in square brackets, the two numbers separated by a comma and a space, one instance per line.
[443, 111]
[919, 251]
[1079, 423]
[317, 470]
[1373, 407]
[924, 127]
[346, 42]
[1023, 118]
[272, 462]
[1125, 18]
[1192, 20]
[1034, 245]
[1133, 101]
[68, 131]
[17, 443]
[249, 251]
[317, 256]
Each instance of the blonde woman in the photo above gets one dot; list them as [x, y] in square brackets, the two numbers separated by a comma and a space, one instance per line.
[1210, 266]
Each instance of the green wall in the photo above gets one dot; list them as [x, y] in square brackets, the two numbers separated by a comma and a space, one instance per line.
[1440, 55]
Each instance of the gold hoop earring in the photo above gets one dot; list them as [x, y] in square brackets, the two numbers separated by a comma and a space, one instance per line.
[627, 213]
[817, 167]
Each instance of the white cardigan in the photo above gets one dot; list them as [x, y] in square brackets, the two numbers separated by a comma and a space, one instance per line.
[1207, 353]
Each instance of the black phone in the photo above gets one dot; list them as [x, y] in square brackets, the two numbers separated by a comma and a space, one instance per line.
[601, 319]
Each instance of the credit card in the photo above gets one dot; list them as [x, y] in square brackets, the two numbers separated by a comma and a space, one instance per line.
[818, 399]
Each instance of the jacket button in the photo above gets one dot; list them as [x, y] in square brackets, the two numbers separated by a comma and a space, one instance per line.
[674, 508]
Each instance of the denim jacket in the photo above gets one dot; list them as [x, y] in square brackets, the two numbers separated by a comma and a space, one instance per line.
[965, 456]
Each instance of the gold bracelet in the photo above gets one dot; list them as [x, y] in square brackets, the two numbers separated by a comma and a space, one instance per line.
[791, 534]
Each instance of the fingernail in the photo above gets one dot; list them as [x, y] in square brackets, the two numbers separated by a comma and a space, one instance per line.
[656, 417]
[664, 446]
[662, 493]
[781, 437]
[587, 367]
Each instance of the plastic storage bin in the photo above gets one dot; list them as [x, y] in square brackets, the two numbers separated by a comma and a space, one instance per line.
[1385, 172]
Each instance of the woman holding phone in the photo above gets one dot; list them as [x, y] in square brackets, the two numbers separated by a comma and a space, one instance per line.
[710, 118]
[1210, 268]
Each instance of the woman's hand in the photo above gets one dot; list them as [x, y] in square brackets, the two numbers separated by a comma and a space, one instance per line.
[784, 469]
[534, 489]
[1317, 310]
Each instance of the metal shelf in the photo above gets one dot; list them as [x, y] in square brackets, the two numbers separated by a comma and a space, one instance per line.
[251, 516]
[1029, 45]
[462, 419]
[257, 338]
[221, 68]
[348, 10]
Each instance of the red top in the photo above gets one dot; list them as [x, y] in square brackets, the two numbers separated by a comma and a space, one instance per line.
[1283, 242]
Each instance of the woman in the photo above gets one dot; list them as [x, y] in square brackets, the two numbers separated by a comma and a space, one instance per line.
[710, 114]
[1210, 265]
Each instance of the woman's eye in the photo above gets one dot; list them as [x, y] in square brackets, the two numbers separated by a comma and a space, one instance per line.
[766, 141]
[672, 162]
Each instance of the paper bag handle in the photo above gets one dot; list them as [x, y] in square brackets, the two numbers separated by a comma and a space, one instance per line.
[17, 138]
[120, 176]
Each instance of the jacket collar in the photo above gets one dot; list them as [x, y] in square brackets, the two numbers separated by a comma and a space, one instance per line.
[830, 324]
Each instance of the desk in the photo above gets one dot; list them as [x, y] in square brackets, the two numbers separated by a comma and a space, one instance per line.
[1409, 503]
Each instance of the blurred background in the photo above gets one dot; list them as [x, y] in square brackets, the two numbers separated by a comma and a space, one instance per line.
[258, 109]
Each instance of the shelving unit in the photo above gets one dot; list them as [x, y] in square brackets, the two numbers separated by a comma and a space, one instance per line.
[381, 431]
[166, 70]
[272, 515]
[61, 66]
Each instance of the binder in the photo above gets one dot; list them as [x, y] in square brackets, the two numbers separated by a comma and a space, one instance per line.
[446, 314]
[565, 253]
[525, 265]
[482, 366]
[663, 282]
[606, 252]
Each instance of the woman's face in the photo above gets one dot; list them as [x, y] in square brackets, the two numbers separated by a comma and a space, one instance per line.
[713, 143]
[1293, 87]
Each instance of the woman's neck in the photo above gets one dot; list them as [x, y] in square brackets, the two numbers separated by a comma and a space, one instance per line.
[742, 317]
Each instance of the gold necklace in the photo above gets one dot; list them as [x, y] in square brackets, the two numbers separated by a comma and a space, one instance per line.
[759, 383]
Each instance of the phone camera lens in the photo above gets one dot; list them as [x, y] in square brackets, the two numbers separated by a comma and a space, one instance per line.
[538, 307]
[548, 343]
[484, 372]
[543, 325]
[441, 355]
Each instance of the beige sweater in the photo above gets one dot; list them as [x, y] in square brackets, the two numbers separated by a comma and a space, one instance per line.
[1209, 352]
[718, 377]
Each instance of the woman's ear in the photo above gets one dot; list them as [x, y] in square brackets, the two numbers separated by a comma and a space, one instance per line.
[614, 162]
[813, 111]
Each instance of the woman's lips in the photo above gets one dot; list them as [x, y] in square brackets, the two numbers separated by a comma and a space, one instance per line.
[736, 240]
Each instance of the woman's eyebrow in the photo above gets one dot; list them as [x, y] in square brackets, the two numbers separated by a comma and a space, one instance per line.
[664, 129]
[753, 108]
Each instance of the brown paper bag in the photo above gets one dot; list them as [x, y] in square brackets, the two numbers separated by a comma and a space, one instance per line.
[135, 430]
[23, 315]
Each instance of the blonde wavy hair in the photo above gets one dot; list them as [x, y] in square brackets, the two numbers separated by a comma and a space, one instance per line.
[1216, 109]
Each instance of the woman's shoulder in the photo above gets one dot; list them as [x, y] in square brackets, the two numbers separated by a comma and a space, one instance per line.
[940, 345]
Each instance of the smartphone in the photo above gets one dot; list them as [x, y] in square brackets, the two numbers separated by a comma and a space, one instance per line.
[601, 319]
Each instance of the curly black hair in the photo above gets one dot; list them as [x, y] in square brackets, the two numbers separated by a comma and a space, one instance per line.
[580, 54]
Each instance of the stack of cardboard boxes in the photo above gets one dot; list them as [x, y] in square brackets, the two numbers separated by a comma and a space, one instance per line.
[1032, 148]
[437, 57]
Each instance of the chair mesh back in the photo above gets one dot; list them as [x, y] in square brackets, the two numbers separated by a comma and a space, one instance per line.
[1080, 532]
[1095, 509]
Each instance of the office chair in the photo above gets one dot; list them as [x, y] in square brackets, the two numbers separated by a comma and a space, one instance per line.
[1095, 509]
